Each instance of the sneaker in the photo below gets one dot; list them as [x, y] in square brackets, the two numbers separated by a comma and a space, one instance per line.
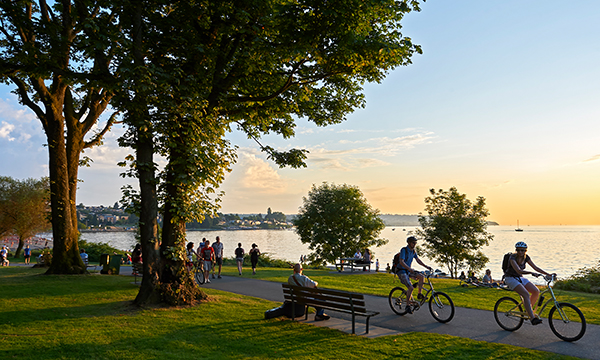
[409, 309]
[322, 317]
[213, 276]
[219, 276]
[208, 281]
[420, 297]
[536, 321]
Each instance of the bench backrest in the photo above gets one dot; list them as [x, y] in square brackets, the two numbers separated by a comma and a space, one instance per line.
[337, 299]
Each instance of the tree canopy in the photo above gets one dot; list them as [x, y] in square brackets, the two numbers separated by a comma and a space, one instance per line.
[454, 229]
[336, 221]
[24, 208]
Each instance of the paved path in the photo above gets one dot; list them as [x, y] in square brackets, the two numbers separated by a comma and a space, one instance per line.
[467, 323]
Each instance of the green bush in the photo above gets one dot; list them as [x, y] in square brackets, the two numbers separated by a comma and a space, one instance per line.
[584, 280]
[94, 250]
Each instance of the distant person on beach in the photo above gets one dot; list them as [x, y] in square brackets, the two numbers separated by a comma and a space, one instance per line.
[136, 255]
[298, 279]
[27, 254]
[189, 254]
[84, 256]
[208, 255]
[239, 257]
[513, 277]
[218, 248]
[254, 253]
[377, 265]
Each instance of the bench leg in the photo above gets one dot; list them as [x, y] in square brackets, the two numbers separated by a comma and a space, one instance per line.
[368, 317]
[353, 322]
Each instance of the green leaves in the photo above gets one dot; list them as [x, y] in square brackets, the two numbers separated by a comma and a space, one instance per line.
[454, 229]
[336, 221]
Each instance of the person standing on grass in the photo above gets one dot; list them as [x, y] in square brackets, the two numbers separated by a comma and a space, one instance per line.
[218, 248]
[27, 254]
[208, 255]
[254, 253]
[239, 257]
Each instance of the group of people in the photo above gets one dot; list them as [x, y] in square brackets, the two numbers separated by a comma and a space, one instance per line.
[4, 257]
[365, 258]
[513, 276]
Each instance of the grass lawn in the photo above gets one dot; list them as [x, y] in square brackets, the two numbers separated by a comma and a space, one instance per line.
[91, 317]
[381, 284]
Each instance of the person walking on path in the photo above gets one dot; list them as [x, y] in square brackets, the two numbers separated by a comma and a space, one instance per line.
[254, 253]
[239, 257]
[218, 248]
[27, 254]
[299, 279]
[513, 277]
[208, 255]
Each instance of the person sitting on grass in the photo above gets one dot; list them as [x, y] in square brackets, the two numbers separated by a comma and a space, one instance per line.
[298, 279]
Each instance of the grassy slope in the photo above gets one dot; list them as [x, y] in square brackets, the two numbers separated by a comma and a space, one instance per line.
[91, 317]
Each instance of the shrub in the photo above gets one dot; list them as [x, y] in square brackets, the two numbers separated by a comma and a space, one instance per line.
[584, 280]
[94, 250]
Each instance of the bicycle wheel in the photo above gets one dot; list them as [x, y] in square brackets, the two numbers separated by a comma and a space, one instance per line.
[441, 307]
[199, 274]
[397, 300]
[507, 313]
[567, 322]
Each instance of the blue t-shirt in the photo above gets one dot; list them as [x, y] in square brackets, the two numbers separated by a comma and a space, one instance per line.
[27, 252]
[407, 255]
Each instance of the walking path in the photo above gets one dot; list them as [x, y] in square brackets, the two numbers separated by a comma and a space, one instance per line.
[468, 323]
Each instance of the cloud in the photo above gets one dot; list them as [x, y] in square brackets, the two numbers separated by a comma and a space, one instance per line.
[593, 158]
[258, 175]
[5, 130]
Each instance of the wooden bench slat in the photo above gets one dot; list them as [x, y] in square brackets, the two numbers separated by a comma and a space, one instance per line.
[335, 300]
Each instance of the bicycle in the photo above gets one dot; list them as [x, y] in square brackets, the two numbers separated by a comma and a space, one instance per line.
[440, 304]
[199, 272]
[566, 320]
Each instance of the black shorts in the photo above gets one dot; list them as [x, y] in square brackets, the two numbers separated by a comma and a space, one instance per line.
[219, 261]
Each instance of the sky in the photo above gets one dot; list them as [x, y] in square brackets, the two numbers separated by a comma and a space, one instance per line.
[503, 103]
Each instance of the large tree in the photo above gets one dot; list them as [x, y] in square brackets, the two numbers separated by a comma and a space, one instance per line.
[23, 208]
[203, 68]
[454, 229]
[336, 221]
[57, 55]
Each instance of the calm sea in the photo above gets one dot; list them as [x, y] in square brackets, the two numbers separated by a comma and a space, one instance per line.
[560, 249]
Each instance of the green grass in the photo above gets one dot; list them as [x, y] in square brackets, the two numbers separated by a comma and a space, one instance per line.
[91, 317]
[381, 284]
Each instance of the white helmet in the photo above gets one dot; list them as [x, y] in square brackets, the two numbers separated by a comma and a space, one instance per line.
[521, 245]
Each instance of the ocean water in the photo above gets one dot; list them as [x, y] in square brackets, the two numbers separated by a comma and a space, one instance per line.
[559, 249]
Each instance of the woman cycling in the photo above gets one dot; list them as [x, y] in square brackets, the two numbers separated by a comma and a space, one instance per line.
[515, 280]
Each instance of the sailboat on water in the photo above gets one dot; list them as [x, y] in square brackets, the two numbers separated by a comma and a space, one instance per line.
[518, 228]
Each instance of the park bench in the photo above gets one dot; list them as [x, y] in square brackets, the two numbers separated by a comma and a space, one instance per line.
[350, 263]
[334, 300]
[137, 269]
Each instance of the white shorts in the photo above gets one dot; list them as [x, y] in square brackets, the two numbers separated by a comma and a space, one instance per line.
[207, 265]
[513, 282]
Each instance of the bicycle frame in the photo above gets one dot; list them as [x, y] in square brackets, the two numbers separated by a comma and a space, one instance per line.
[535, 306]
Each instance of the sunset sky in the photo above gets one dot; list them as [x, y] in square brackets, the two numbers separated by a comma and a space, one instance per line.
[503, 103]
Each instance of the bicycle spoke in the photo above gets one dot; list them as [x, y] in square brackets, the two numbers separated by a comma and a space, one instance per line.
[567, 322]
[441, 307]
[508, 313]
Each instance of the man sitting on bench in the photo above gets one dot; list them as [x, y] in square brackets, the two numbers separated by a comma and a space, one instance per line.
[298, 279]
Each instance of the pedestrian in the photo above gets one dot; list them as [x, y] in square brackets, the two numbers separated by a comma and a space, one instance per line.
[27, 254]
[254, 253]
[208, 255]
[239, 257]
[377, 265]
[218, 248]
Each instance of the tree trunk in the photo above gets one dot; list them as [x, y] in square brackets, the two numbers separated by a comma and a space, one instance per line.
[65, 256]
[19, 247]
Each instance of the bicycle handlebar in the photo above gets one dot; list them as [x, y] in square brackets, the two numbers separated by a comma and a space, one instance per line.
[548, 278]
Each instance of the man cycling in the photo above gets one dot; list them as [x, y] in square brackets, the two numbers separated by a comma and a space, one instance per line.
[405, 272]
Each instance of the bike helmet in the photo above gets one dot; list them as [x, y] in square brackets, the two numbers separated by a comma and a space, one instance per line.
[521, 245]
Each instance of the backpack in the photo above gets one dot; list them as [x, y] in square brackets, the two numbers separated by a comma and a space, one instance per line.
[396, 263]
[506, 262]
